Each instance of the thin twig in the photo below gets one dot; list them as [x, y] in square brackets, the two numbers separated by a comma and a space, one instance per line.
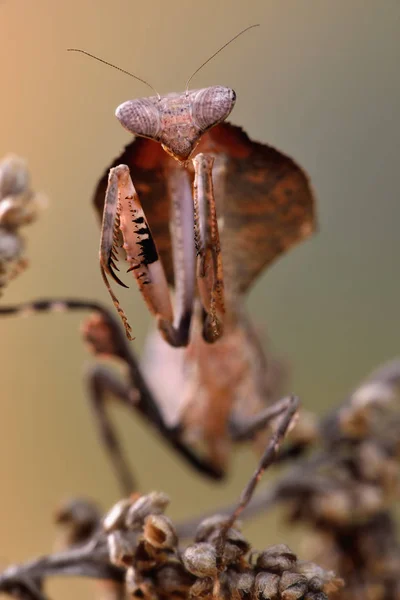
[298, 480]
[261, 502]
[90, 560]
[266, 460]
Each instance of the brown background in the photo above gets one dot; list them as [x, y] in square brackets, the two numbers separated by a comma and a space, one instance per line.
[319, 80]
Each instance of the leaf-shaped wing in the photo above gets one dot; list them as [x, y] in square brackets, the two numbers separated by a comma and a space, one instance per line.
[265, 204]
[268, 205]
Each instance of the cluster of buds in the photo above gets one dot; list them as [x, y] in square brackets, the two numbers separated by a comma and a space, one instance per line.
[18, 206]
[346, 489]
[355, 474]
[219, 563]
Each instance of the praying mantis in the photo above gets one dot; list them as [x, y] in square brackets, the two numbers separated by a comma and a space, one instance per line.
[208, 211]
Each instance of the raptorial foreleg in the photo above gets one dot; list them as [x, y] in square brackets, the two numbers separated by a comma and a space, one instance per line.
[209, 260]
[123, 211]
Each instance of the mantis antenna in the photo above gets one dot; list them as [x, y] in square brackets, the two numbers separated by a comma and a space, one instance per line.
[218, 51]
[115, 67]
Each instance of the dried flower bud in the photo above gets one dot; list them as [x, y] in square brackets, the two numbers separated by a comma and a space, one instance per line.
[369, 501]
[235, 546]
[389, 478]
[311, 570]
[318, 578]
[121, 548]
[115, 517]
[152, 504]
[372, 393]
[277, 559]
[356, 418]
[266, 586]
[11, 247]
[315, 596]
[172, 578]
[139, 587]
[201, 559]
[79, 518]
[235, 536]
[292, 586]
[19, 204]
[335, 506]
[316, 584]
[370, 460]
[145, 556]
[306, 430]
[202, 588]
[14, 176]
[243, 582]
[208, 526]
[159, 532]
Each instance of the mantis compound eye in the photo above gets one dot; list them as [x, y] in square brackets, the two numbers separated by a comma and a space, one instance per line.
[140, 117]
[211, 106]
[177, 120]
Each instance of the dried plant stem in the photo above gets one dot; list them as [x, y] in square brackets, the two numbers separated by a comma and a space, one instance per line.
[266, 460]
[90, 560]
[260, 503]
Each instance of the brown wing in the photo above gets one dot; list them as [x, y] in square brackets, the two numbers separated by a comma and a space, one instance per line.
[268, 205]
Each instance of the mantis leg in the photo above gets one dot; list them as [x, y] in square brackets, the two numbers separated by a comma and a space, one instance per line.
[105, 338]
[101, 382]
[123, 211]
[245, 428]
[209, 261]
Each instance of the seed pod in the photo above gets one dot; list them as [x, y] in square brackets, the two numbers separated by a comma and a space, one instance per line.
[242, 582]
[315, 596]
[208, 526]
[335, 506]
[223, 588]
[138, 587]
[159, 532]
[19, 204]
[369, 501]
[151, 504]
[121, 548]
[318, 578]
[172, 578]
[115, 517]
[292, 586]
[370, 460]
[235, 546]
[202, 588]
[306, 430]
[357, 417]
[231, 553]
[145, 556]
[78, 518]
[201, 559]
[277, 559]
[312, 570]
[266, 586]
[316, 584]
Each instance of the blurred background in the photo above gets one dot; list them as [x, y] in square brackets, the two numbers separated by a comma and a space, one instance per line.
[318, 80]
